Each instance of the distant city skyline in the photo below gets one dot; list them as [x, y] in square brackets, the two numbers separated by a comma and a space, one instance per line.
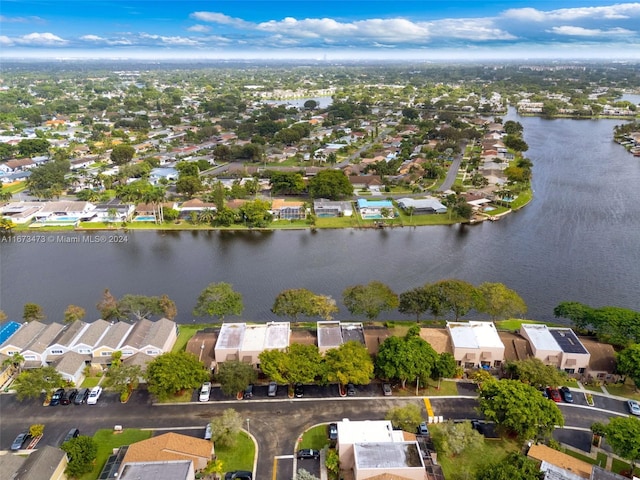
[324, 29]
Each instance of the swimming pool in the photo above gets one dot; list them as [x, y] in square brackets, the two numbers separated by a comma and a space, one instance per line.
[144, 218]
[63, 219]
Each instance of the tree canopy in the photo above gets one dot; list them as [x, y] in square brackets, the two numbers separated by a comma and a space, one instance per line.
[629, 363]
[519, 408]
[331, 184]
[405, 418]
[498, 301]
[82, 452]
[300, 301]
[122, 154]
[32, 311]
[453, 438]
[513, 466]
[457, 296]
[31, 383]
[172, 372]
[218, 299]
[234, 376]
[225, 428]
[369, 300]
[349, 363]
[623, 434]
[536, 373]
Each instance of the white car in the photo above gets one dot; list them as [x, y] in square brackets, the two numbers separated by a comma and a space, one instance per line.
[205, 391]
[634, 407]
[94, 395]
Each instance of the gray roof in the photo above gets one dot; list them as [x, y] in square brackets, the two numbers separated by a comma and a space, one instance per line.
[231, 335]
[68, 335]
[70, 362]
[387, 455]
[41, 464]
[94, 333]
[25, 335]
[147, 332]
[10, 464]
[176, 470]
[138, 333]
[329, 334]
[45, 337]
[116, 334]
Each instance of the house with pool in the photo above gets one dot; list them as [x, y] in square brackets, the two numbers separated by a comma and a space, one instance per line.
[375, 209]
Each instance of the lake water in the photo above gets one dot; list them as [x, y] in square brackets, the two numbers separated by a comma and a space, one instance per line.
[578, 240]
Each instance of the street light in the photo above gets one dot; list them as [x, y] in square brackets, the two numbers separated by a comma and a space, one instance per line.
[248, 426]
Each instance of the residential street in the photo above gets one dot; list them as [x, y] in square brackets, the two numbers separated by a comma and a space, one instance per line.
[275, 423]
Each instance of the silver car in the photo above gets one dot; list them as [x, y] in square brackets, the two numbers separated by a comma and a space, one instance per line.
[634, 407]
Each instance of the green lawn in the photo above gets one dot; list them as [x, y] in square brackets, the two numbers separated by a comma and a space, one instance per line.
[90, 382]
[466, 464]
[601, 459]
[15, 187]
[447, 387]
[626, 389]
[107, 441]
[184, 396]
[618, 466]
[315, 438]
[238, 457]
[515, 323]
[185, 332]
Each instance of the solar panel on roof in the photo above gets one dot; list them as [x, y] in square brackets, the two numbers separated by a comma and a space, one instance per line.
[568, 341]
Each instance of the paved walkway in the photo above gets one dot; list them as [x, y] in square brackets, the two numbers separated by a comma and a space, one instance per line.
[604, 393]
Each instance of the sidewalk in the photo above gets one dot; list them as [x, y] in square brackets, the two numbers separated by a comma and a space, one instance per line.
[604, 393]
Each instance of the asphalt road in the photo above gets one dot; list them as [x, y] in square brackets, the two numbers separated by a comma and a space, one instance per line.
[275, 423]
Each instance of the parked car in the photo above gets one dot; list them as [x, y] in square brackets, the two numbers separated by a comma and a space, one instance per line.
[81, 397]
[272, 390]
[298, 390]
[386, 389]
[566, 394]
[351, 389]
[238, 475]
[423, 429]
[94, 395]
[205, 392]
[73, 433]
[545, 394]
[307, 453]
[248, 392]
[554, 394]
[332, 431]
[634, 407]
[208, 431]
[68, 396]
[56, 397]
[19, 441]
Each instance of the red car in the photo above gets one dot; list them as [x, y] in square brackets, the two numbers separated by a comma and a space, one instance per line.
[554, 394]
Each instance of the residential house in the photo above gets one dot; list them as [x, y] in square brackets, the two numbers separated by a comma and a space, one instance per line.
[6, 331]
[113, 211]
[375, 208]
[329, 208]
[195, 205]
[21, 213]
[45, 463]
[556, 464]
[332, 334]
[66, 339]
[35, 353]
[111, 342]
[476, 344]
[371, 448]
[170, 447]
[90, 338]
[71, 366]
[239, 341]
[22, 338]
[152, 338]
[557, 346]
[283, 209]
[66, 208]
[365, 181]
[20, 164]
[422, 206]
[169, 470]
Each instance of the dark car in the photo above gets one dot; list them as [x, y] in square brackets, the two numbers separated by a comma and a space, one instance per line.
[307, 453]
[544, 393]
[248, 392]
[238, 475]
[566, 394]
[386, 389]
[554, 394]
[332, 431]
[56, 398]
[19, 441]
[73, 433]
[351, 389]
[81, 397]
[298, 390]
[423, 429]
[68, 396]
[272, 390]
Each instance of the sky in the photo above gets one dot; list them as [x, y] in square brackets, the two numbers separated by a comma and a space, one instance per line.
[329, 30]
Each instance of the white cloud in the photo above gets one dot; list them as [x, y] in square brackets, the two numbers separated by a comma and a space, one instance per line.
[199, 28]
[589, 32]
[33, 19]
[93, 38]
[4, 40]
[219, 18]
[610, 12]
[35, 38]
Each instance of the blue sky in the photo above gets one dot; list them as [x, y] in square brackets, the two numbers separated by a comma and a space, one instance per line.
[321, 29]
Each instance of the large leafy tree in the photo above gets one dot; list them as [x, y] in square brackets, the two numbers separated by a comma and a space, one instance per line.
[173, 372]
[405, 418]
[458, 296]
[331, 184]
[123, 378]
[122, 154]
[445, 367]
[536, 373]
[256, 213]
[225, 428]
[299, 364]
[498, 301]
[513, 466]
[82, 451]
[218, 299]
[32, 311]
[349, 363]
[453, 438]
[406, 358]
[139, 306]
[31, 383]
[234, 376]
[420, 300]
[629, 363]
[519, 408]
[74, 313]
[108, 306]
[289, 183]
[300, 301]
[623, 434]
[369, 300]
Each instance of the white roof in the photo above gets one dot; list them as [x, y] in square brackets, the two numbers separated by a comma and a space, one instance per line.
[540, 337]
[474, 335]
[254, 336]
[368, 431]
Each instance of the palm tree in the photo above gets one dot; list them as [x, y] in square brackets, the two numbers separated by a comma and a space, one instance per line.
[410, 211]
[208, 215]
[15, 361]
